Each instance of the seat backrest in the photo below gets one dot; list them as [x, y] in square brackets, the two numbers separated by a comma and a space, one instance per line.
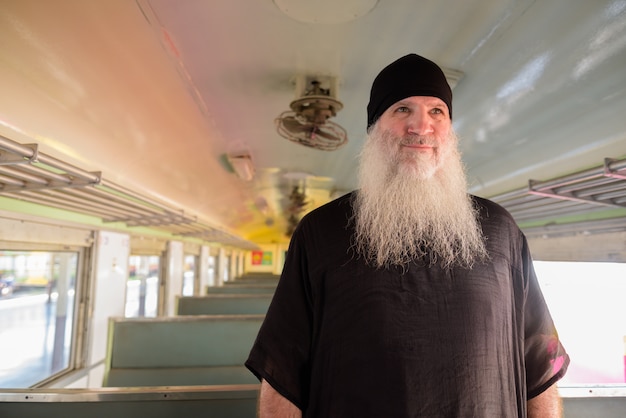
[242, 288]
[223, 304]
[182, 342]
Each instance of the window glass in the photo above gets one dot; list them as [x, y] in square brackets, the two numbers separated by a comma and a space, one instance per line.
[37, 300]
[189, 275]
[142, 288]
[588, 307]
[227, 265]
[211, 270]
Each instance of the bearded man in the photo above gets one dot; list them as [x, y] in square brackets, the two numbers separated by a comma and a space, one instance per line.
[408, 297]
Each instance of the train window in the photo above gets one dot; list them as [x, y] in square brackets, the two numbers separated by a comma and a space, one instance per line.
[189, 275]
[37, 311]
[226, 270]
[587, 303]
[142, 288]
[211, 270]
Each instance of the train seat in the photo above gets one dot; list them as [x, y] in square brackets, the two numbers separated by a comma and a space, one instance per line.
[223, 304]
[267, 288]
[255, 278]
[182, 350]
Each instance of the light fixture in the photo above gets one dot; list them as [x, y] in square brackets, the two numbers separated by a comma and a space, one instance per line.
[242, 165]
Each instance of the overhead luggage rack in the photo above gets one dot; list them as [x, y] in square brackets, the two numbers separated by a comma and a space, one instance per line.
[589, 201]
[29, 175]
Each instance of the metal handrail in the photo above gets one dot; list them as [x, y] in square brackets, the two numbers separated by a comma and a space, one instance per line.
[35, 177]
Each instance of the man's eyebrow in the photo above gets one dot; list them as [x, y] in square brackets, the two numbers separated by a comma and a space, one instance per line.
[435, 101]
[432, 101]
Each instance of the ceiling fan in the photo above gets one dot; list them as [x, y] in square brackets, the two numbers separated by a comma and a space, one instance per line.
[296, 206]
[307, 123]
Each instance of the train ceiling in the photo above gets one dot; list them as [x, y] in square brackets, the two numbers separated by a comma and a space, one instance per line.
[161, 97]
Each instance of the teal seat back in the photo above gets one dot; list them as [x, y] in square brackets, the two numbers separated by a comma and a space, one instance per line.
[179, 350]
[223, 304]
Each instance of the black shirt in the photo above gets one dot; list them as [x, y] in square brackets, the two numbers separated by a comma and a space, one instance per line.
[344, 339]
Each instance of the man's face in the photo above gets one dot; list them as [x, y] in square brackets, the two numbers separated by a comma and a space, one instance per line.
[412, 199]
[419, 128]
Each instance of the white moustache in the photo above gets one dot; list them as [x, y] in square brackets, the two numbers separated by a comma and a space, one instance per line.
[419, 140]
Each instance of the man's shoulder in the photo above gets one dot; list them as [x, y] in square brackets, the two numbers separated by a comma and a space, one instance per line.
[341, 204]
[484, 202]
[327, 223]
[491, 210]
[334, 215]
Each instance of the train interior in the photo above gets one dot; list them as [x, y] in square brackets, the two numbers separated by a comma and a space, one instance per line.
[153, 152]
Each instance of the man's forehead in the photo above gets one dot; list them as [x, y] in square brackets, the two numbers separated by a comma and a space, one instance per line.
[426, 100]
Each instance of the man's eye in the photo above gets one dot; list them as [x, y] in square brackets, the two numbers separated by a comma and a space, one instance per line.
[437, 111]
[402, 109]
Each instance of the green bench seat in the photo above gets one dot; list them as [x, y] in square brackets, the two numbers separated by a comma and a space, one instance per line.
[223, 304]
[255, 278]
[182, 350]
[241, 288]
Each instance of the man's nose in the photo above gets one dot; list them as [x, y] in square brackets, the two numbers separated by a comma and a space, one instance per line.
[420, 123]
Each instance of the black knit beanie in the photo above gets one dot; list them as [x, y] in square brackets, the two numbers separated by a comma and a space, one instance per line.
[408, 76]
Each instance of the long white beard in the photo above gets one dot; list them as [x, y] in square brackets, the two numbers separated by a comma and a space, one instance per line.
[410, 205]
